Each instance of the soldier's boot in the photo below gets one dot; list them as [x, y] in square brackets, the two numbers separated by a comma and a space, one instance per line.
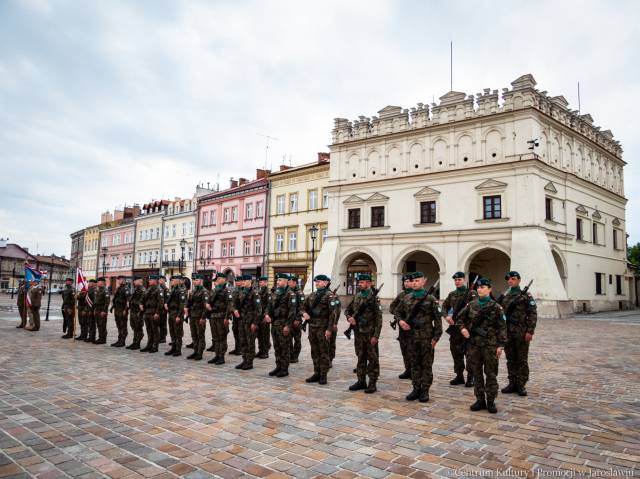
[508, 389]
[294, 360]
[275, 371]
[314, 378]
[459, 379]
[213, 359]
[522, 391]
[470, 382]
[197, 357]
[177, 352]
[424, 395]
[135, 346]
[212, 348]
[234, 352]
[189, 346]
[146, 349]
[371, 388]
[247, 366]
[405, 375]
[358, 385]
[154, 349]
[282, 373]
[323, 379]
[162, 340]
[491, 406]
[171, 351]
[241, 365]
[220, 359]
[116, 344]
[478, 405]
[192, 355]
[414, 394]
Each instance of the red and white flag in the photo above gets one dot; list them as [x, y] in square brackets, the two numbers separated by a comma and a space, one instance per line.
[82, 285]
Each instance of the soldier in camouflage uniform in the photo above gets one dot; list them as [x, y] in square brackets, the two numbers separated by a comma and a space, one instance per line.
[91, 318]
[35, 299]
[403, 336]
[247, 308]
[365, 314]
[83, 307]
[334, 330]
[221, 302]
[68, 309]
[421, 318]
[296, 332]
[176, 302]
[483, 324]
[162, 323]
[197, 310]
[319, 311]
[152, 305]
[522, 315]
[120, 307]
[21, 302]
[264, 328]
[235, 326]
[101, 310]
[280, 313]
[135, 313]
[456, 300]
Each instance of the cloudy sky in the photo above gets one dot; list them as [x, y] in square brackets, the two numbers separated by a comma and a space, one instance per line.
[110, 103]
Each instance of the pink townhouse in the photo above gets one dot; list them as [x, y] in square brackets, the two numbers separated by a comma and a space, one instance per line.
[232, 228]
[115, 255]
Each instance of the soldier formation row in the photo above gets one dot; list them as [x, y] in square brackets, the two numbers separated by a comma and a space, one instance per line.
[481, 327]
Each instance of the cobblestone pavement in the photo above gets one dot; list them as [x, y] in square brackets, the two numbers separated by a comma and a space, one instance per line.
[70, 409]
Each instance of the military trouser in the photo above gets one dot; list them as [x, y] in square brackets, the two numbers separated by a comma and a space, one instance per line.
[296, 342]
[320, 346]
[120, 316]
[92, 325]
[219, 334]
[22, 310]
[83, 319]
[483, 360]
[235, 329]
[34, 318]
[198, 325]
[162, 326]
[421, 360]
[264, 339]
[176, 330]
[136, 322]
[101, 323]
[68, 320]
[281, 345]
[457, 348]
[152, 327]
[332, 344]
[368, 364]
[247, 341]
[404, 337]
[517, 352]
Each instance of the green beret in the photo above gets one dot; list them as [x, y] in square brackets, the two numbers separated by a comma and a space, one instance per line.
[245, 277]
[121, 276]
[364, 277]
[154, 276]
[322, 277]
[293, 277]
[196, 276]
[220, 274]
[484, 282]
[92, 280]
[175, 276]
[417, 274]
[282, 275]
[512, 274]
[101, 278]
[459, 274]
[264, 278]
[406, 277]
[69, 279]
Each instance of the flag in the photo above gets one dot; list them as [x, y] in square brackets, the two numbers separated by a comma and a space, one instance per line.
[30, 274]
[82, 285]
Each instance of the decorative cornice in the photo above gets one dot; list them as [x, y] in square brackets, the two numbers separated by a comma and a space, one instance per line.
[353, 200]
[426, 192]
[491, 184]
[550, 187]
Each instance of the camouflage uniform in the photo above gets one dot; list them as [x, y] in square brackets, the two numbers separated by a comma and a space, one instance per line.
[282, 308]
[162, 323]
[403, 336]
[452, 306]
[91, 318]
[422, 312]
[22, 305]
[153, 303]
[296, 333]
[522, 317]
[100, 311]
[321, 306]
[68, 311]
[83, 318]
[334, 331]
[487, 326]
[264, 333]
[119, 305]
[221, 301]
[176, 302]
[35, 298]
[135, 316]
[235, 327]
[196, 304]
[368, 325]
[249, 305]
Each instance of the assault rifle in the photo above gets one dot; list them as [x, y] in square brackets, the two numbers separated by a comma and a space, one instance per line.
[303, 326]
[361, 309]
[514, 303]
[461, 304]
[431, 290]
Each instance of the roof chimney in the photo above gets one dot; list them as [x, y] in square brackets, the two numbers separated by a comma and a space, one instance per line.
[233, 183]
[261, 173]
[242, 181]
[322, 156]
[284, 167]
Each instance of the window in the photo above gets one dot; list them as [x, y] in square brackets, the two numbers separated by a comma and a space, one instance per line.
[293, 202]
[184, 229]
[210, 251]
[144, 257]
[173, 254]
[166, 232]
[190, 253]
[249, 211]
[191, 228]
[247, 248]
[114, 261]
[157, 233]
[325, 199]
[579, 228]
[615, 239]
[280, 204]
[257, 247]
[548, 209]
[116, 239]
[354, 218]
[599, 281]
[234, 213]
[166, 255]
[293, 241]
[226, 215]
[594, 229]
[173, 231]
[232, 248]
[279, 243]
[141, 232]
[325, 235]
[224, 249]
[427, 212]
[259, 209]
[313, 200]
[205, 219]
[618, 284]
[212, 218]
[377, 216]
[492, 207]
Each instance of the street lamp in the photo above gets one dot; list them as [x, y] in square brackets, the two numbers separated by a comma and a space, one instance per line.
[183, 245]
[104, 260]
[313, 231]
[13, 282]
[49, 278]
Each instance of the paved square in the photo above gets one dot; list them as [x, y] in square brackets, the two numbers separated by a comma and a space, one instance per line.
[70, 409]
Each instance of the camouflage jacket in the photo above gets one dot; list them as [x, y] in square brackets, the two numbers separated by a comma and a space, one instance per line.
[68, 298]
[221, 301]
[22, 295]
[91, 294]
[35, 296]
[422, 312]
[299, 302]
[524, 313]
[136, 299]
[82, 302]
[102, 300]
[248, 304]
[177, 300]
[486, 323]
[197, 301]
[369, 321]
[397, 302]
[120, 298]
[282, 306]
[455, 301]
[164, 291]
[322, 306]
[153, 301]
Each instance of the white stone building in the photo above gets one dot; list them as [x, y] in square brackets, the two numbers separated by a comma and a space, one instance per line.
[482, 184]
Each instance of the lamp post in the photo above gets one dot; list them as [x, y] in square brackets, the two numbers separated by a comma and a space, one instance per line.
[13, 277]
[313, 231]
[183, 245]
[49, 278]
[104, 260]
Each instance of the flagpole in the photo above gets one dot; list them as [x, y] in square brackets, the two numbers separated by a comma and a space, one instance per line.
[75, 303]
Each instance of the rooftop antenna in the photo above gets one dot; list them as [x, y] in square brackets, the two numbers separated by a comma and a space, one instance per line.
[266, 149]
[451, 66]
[218, 182]
[578, 98]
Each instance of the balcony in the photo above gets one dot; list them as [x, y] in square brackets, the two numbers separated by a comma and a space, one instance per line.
[173, 264]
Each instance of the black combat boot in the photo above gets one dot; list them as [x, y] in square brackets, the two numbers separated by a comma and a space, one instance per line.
[282, 373]
[275, 371]
[459, 379]
[508, 389]
[405, 375]
[234, 352]
[264, 355]
[192, 355]
[241, 365]
[220, 359]
[491, 406]
[154, 349]
[116, 344]
[470, 382]
[213, 359]
[146, 349]
[522, 391]
[197, 357]
[170, 352]
[212, 348]
[189, 346]
[414, 394]
[323, 379]
[371, 388]
[177, 352]
[478, 405]
[247, 366]
[358, 385]
[135, 346]
[314, 378]
[424, 395]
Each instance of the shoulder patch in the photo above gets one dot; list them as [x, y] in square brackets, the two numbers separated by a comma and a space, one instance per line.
[257, 300]
[293, 300]
[532, 302]
[504, 318]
